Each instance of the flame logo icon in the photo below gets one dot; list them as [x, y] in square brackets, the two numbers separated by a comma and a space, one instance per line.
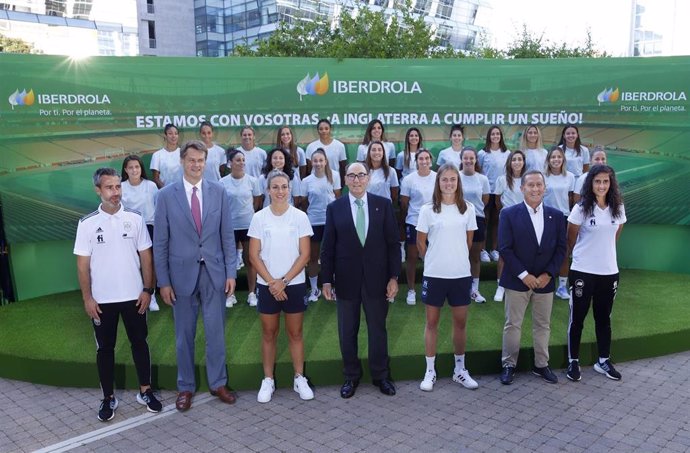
[313, 86]
[22, 98]
[608, 95]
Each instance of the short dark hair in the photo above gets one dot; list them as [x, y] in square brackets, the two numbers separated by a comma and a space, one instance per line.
[195, 144]
[532, 172]
[103, 171]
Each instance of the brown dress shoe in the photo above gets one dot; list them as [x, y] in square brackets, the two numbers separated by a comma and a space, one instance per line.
[184, 401]
[224, 394]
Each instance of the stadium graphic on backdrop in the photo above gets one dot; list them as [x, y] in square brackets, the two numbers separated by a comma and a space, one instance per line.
[21, 98]
[609, 95]
[313, 86]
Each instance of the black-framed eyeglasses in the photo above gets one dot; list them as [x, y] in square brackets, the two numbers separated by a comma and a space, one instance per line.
[353, 176]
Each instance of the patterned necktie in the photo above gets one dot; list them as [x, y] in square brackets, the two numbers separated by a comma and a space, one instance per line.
[360, 220]
[196, 210]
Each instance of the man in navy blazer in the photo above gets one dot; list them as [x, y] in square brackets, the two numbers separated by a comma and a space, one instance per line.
[194, 256]
[360, 258]
[532, 243]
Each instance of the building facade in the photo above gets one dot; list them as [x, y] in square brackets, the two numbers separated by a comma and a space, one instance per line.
[166, 27]
[659, 28]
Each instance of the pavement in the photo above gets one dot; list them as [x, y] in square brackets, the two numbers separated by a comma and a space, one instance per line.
[646, 411]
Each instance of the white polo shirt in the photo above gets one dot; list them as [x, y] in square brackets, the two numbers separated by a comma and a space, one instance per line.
[113, 242]
[595, 248]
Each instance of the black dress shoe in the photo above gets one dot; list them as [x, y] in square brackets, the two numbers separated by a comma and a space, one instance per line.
[348, 388]
[507, 375]
[386, 386]
[546, 374]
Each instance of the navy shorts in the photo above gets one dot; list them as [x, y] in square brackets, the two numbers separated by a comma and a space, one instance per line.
[295, 303]
[410, 234]
[241, 236]
[480, 232]
[491, 205]
[435, 291]
[318, 233]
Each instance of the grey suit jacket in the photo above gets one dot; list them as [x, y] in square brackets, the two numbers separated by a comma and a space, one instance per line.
[177, 247]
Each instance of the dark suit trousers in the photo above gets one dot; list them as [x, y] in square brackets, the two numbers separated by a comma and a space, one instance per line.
[349, 313]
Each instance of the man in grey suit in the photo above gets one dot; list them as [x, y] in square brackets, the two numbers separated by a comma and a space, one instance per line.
[194, 256]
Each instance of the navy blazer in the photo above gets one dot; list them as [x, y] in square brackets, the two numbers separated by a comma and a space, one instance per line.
[518, 246]
[347, 264]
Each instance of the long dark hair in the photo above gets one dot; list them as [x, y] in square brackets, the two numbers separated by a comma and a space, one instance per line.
[578, 143]
[288, 169]
[613, 197]
[437, 197]
[477, 167]
[509, 167]
[487, 142]
[327, 170]
[292, 146]
[384, 159]
[406, 152]
[367, 133]
[127, 160]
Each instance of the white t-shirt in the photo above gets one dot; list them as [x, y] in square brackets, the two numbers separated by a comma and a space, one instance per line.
[595, 248]
[420, 190]
[400, 163]
[167, 163]
[493, 164]
[579, 182]
[294, 189]
[447, 255]
[254, 161]
[301, 157]
[535, 159]
[557, 189]
[279, 236]
[388, 147]
[509, 197]
[573, 162]
[215, 158]
[241, 193]
[141, 197]
[335, 152]
[113, 242]
[473, 187]
[449, 156]
[380, 185]
[319, 192]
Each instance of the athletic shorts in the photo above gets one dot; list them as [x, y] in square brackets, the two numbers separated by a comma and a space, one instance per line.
[457, 291]
[480, 232]
[295, 303]
[410, 234]
[241, 236]
[318, 233]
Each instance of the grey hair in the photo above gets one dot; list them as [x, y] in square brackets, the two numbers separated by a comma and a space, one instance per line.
[103, 171]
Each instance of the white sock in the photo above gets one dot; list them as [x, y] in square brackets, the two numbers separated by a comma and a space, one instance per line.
[239, 254]
[603, 359]
[475, 284]
[313, 281]
[575, 360]
[563, 281]
[430, 362]
[459, 362]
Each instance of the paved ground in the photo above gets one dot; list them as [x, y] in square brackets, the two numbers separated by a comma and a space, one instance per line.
[647, 411]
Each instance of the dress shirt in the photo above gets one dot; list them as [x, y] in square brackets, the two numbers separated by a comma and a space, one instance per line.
[365, 207]
[188, 188]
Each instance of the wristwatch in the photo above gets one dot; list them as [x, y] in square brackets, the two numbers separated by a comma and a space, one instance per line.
[149, 290]
[285, 281]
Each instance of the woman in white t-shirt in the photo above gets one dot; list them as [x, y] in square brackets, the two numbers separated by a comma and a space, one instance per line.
[165, 163]
[451, 155]
[446, 269]
[598, 157]
[476, 190]
[492, 160]
[279, 250]
[383, 180]
[508, 193]
[140, 194]
[244, 193]
[405, 163]
[532, 145]
[576, 154]
[594, 226]
[215, 159]
[286, 141]
[416, 189]
[559, 194]
[376, 133]
[279, 159]
[255, 157]
[317, 191]
[335, 149]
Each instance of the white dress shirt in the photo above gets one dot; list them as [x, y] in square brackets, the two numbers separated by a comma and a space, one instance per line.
[188, 187]
[537, 218]
[365, 207]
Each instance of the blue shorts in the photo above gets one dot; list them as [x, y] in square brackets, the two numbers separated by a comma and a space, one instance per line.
[435, 291]
[480, 232]
[295, 303]
[410, 234]
[318, 233]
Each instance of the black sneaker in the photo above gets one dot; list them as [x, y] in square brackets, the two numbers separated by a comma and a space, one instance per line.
[546, 374]
[573, 372]
[149, 400]
[607, 368]
[106, 411]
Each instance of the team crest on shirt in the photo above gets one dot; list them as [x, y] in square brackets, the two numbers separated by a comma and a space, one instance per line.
[127, 226]
[579, 284]
[592, 222]
[99, 237]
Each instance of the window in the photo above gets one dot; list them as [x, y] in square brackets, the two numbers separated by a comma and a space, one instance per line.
[152, 34]
[149, 7]
[445, 9]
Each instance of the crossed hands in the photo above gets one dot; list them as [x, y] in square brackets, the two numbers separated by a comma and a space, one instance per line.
[533, 282]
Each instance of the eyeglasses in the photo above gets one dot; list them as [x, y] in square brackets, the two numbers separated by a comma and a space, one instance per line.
[352, 176]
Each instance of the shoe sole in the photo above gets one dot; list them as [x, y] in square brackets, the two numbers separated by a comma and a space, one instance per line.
[572, 378]
[474, 386]
[302, 397]
[605, 373]
[117, 403]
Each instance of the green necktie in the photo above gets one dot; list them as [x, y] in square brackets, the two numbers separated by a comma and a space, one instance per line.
[360, 220]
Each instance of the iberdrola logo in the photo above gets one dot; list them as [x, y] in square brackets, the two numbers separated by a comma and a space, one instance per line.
[313, 85]
[608, 95]
[22, 98]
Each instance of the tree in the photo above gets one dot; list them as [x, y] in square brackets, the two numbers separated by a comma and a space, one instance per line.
[14, 45]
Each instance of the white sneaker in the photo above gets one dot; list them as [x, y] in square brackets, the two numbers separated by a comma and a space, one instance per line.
[268, 386]
[477, 297]
[153, 306]
[402, 252]
[314, 295]
[411, 297]
[230, 301]
[252, 300]
[494, 255]
[302, 387]
[463, 377]
[427, 384]
[500, 292]
[562, 293]
[484, 256]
